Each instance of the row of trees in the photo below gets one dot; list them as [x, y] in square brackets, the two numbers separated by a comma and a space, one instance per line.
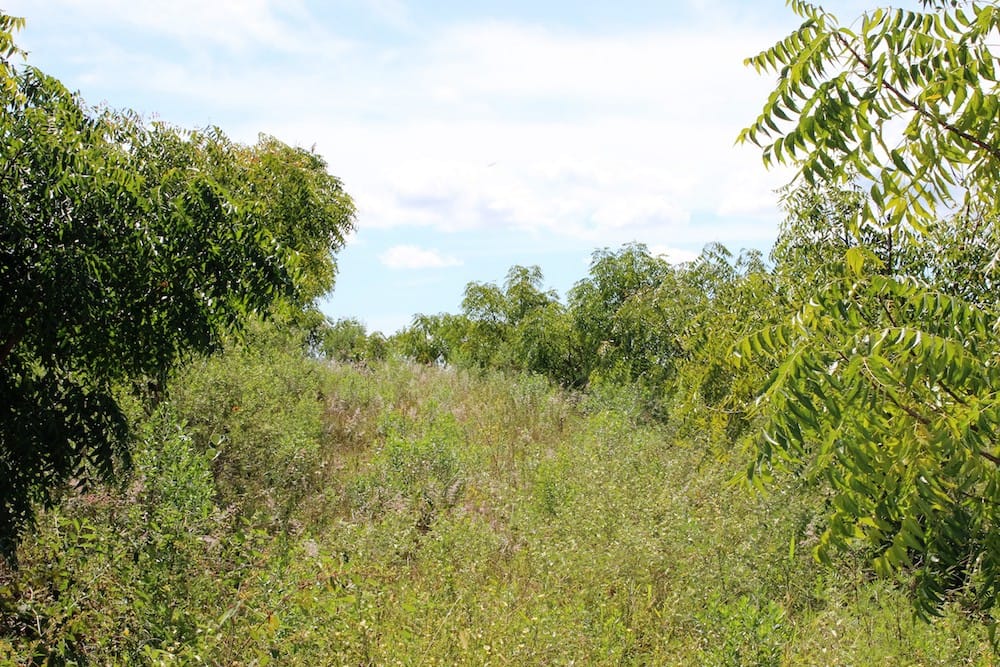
[635, 320]
[126, 247]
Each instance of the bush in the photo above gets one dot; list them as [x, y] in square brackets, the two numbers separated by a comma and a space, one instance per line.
[261, 415]
[742, 633]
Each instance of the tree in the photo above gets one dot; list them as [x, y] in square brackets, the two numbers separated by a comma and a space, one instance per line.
[716, 301]
[300, 202]
[427, 340]
[9, 49]
[619, 318]
[517, 327]
[487, 325]
[543, 342]
[348, 340]
[887, 384]
[125, 248]
[344, 340]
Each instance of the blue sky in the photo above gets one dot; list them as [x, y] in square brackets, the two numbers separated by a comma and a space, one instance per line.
[473, 135]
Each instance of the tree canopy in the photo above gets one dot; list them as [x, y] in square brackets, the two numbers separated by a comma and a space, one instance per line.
[887, 380]
[125, 247]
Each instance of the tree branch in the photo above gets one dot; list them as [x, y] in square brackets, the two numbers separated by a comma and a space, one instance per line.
[992, 151]
[995, 460]
[922, 419]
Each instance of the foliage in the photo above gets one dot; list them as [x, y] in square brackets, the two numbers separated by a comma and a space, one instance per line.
[8, 49]
[667, 330]
[721, 300]
[814, 238]
[933, 71]
[743, 633]
[635, 326]
[544, 342]
[420, 472]
[126, 248]
[518, 327]
[298, 500]
[620, 319]
[115, 564]
[347, 339]
[887, 382]
[586, 536]
[299, 202]
[429, 338]
[258, 411]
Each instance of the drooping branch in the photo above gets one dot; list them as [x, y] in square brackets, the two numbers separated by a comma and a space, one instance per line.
[992, 151]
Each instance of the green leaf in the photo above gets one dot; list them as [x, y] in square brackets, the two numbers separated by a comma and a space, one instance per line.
[855, 258]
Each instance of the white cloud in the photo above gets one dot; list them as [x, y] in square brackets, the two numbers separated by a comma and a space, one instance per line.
[674, 255]
[609, 139]
[394, 13]
[480, 125]
[644, 72]
[414, 257]
[646, 183]
[237, 25]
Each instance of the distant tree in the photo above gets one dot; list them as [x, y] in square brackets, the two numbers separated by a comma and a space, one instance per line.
[620, 316]
[523, 292]
[887, 381]
[544, 342]
[345, 340]
[517, 327]
[717, 300]
[487, 326]
[376, 347]
[126, 247]
[426, 340]
[506, 327]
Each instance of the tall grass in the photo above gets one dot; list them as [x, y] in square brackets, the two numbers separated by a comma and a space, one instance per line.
[288, 511]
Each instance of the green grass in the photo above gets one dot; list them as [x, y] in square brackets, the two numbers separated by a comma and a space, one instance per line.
[407, 515]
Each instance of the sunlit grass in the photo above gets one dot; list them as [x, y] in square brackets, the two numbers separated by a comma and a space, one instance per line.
[412, 515]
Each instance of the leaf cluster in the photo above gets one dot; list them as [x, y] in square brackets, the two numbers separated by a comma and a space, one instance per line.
[885, 382]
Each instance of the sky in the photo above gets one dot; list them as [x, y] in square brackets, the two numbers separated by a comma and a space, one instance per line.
[473, 136]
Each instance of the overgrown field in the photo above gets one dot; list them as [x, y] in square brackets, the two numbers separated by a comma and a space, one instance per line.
[283, 510]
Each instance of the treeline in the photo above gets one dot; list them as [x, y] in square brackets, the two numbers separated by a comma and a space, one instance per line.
[673, 333]
[851, 348]
[668, 331]
[635, 320]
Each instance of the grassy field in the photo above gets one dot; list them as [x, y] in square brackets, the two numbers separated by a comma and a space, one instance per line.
[288, 511]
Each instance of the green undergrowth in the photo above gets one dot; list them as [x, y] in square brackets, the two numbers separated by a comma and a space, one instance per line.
[284, 511]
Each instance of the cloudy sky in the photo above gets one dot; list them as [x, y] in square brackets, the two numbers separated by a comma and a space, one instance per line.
[472, 135]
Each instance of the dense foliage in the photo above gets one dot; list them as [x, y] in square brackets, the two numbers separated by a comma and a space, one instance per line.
[126, 247]
[635, 320]
[285, 510]
[888, 382]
